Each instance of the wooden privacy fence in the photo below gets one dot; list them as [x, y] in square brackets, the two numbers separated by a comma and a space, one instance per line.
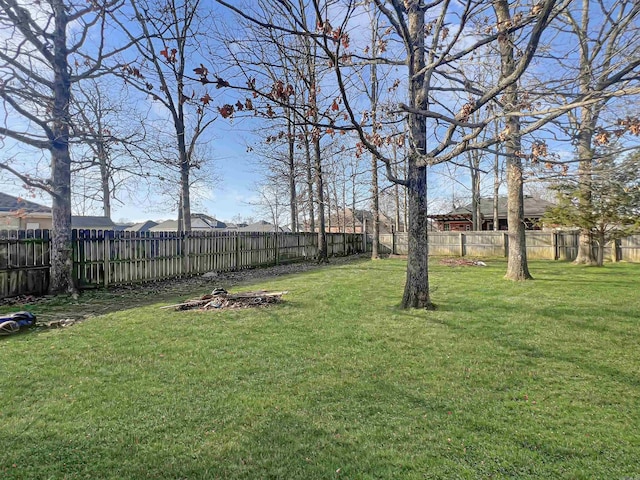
[24, 262]
[540, 245]
[109, 258]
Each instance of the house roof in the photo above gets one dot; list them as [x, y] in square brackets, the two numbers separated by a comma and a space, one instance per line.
[78, 221]
[262, 226]
[209, 221]
[141, 227]
[9, 203]
[199, 222]
[533, 208]
[166, 226]
[122, 226]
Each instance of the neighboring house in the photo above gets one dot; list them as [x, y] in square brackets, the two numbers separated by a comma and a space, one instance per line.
[204, 223]
[19, 214]
[199, 223]
[460, 219]
[141, 227]
[262, 226]
[92, 223]
[16, 213]
[121, 227]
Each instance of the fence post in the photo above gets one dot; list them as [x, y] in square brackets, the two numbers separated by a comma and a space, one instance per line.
[364, 234]
[554, 242]
[237, 235]
[277, 246]
[75, 258]
[393, 241]
[505, 244]
[462, 244]
[106, 252]
[185, 253]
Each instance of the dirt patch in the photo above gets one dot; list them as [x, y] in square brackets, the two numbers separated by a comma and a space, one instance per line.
[461, 262]
[64, 310]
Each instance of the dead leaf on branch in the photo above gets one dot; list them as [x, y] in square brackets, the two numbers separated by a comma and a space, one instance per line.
[221, 83]
[226, 110]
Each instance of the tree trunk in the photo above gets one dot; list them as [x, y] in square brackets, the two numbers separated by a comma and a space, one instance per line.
[353, 204]
[104, 178]
[586, 127]
[327, 201]
[416, 290]
[322, 234]
[186, 201]
[601, 244]
[185, 168]
[311, 195]
[344, 207]
[396, 190]
[396, 195]
[517, 267]
[180, 223]
[496, 191]
[375, 200]
[61, 280]
[585, 254]
[476, 216]
[375, 208]
[585, 155]
[293, 208]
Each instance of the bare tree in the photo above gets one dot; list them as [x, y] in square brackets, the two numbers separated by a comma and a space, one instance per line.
[605, 35]
[38, 48]
[108, 159]
[517, 267]
[172, 35]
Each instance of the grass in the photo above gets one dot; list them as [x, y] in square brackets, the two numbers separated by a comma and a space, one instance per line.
[506, 380]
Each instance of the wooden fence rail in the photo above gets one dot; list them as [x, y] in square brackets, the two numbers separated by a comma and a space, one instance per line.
[109, 258]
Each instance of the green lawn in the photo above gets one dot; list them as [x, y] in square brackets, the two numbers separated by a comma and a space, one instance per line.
[505, 380]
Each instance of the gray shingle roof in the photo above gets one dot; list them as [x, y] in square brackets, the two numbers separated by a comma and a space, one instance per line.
[166, 226]
[78, 221]
[263, 226]
[141, 227]
[9, 203]
[199, 222]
